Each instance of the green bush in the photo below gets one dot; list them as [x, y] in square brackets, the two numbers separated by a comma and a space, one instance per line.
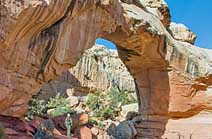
[56, 101]
[109, 105]
[95, 101]
[58, 104]
[120, 98]
[36, 108]
[60, 110]
[106, 113]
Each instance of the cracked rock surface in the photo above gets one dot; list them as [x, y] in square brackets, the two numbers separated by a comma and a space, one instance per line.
[41, 38]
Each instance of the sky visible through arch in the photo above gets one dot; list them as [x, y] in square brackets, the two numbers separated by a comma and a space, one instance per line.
[195, 14]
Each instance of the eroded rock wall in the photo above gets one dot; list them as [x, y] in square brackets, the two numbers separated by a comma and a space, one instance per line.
[42, 38]
[99, 69]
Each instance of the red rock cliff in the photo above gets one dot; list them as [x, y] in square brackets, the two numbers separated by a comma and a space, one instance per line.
[39, 39]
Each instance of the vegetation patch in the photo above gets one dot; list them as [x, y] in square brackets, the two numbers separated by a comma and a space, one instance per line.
[57, 105]
[108, 106]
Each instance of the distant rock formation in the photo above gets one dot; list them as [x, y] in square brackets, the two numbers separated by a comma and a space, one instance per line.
[98, 69]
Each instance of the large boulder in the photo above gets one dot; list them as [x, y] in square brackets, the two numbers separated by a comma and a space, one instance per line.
[129, 108]
[45, 130]
[125, 130]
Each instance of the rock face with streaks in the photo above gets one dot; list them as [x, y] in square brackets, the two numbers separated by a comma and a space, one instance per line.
[98, 69]
[42, 38]
[102, 70]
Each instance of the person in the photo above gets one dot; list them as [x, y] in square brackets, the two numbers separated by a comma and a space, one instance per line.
[68, 124]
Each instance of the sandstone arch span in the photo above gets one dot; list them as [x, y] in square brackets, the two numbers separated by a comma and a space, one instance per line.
[39, 39]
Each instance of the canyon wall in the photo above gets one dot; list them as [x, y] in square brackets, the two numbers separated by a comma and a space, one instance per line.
[39, 39]
[99, 69]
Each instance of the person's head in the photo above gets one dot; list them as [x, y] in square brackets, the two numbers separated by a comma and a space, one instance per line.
[68, 115]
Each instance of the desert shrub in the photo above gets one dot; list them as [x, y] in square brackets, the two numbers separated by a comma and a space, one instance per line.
[1, 132]
[105, 106]
[56, 101]
[60, 110]
[96, 104]
[119, 98]
[95, 101]
[59, 105]
[36, 108]
[106, 113]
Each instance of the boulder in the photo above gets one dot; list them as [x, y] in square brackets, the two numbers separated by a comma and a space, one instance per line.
[45, 130]
[73, 101]
[83, 132]
[129, 108]
[95, 131]
[125, 130]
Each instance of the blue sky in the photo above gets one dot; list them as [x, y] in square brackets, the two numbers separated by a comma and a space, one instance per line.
[107, 43]
[195, 14]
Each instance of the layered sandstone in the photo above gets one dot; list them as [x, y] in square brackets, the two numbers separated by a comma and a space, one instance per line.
[42, 38]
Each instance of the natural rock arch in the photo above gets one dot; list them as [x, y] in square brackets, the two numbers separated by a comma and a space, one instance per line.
[40, 39]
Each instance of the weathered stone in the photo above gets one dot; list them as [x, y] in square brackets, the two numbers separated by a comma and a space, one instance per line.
[84, 132]
[125, 130]
[181, 32]
[45, 130]
[129, 108]
[95, 131]
[41, 39]
[158, 8]
[73, 101]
